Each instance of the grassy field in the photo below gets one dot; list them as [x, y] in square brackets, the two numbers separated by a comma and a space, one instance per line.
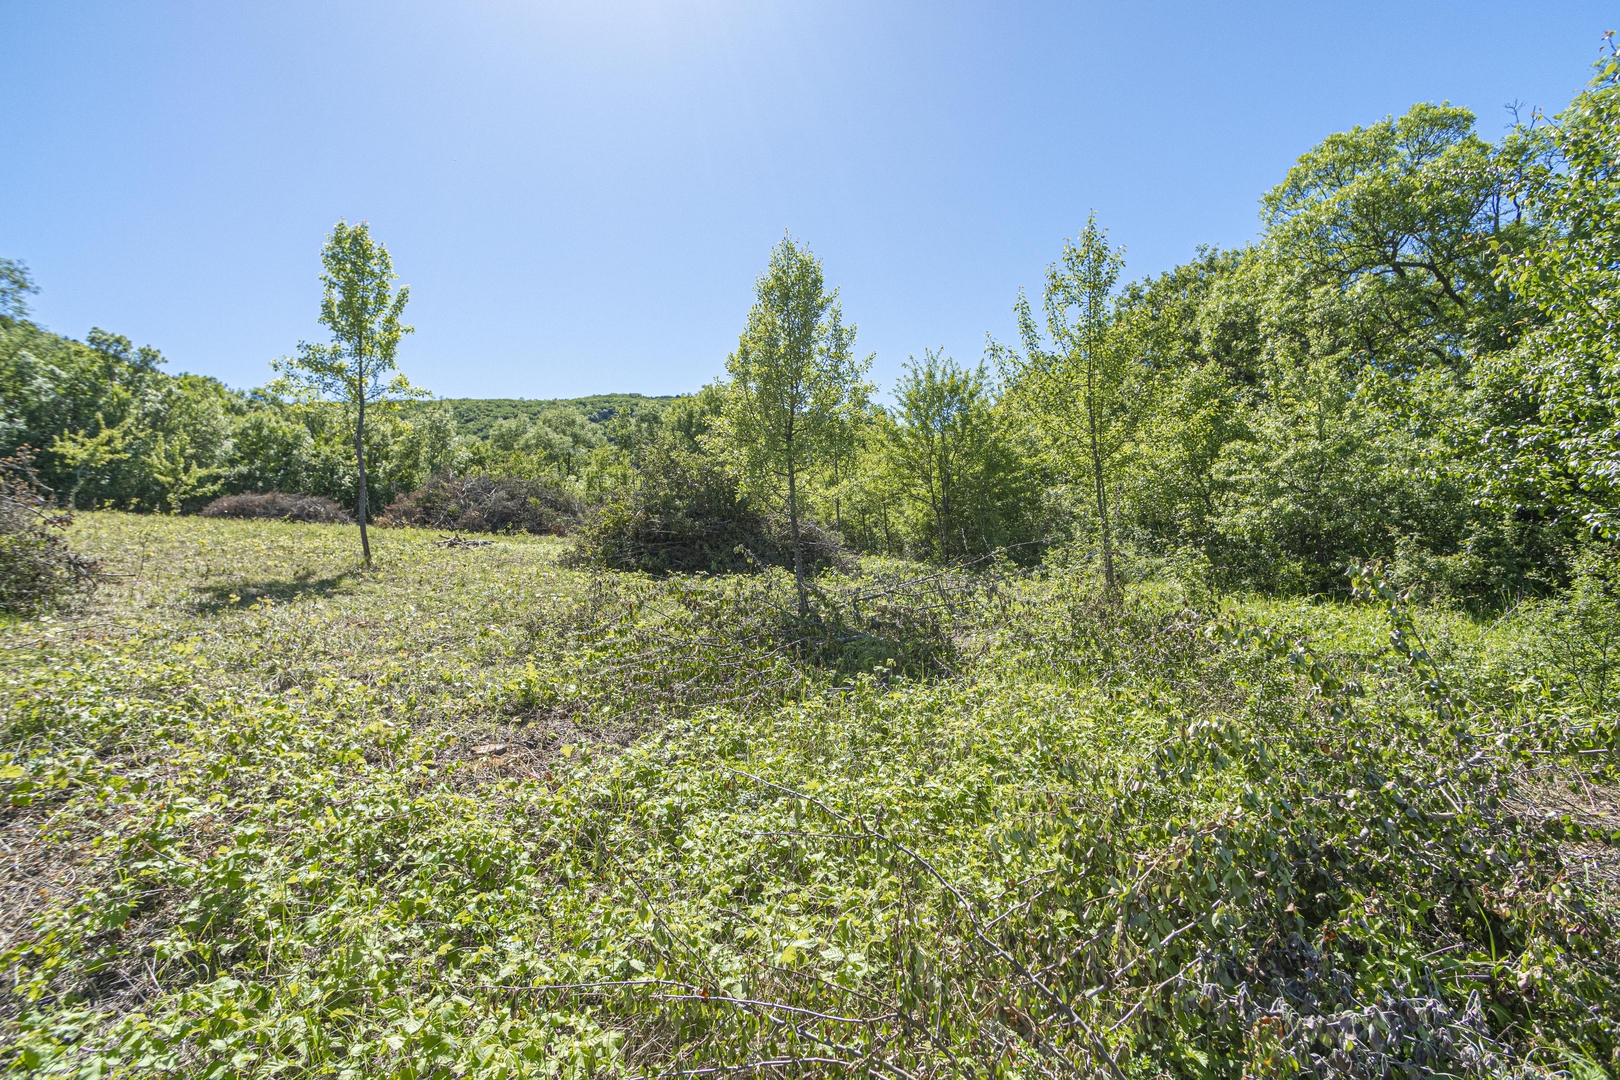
[474, 812]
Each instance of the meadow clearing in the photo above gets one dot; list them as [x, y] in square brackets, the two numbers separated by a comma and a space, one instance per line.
[477, 812]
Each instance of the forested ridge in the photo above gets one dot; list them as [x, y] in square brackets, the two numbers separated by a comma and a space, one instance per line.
[1218, 679]
[114, 429]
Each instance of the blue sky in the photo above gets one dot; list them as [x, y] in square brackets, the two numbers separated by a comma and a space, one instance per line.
[581, 194]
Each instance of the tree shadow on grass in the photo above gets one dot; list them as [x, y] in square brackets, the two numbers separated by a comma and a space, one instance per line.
[211, 599]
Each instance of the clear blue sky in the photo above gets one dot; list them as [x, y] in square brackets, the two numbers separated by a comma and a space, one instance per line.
[580, 194]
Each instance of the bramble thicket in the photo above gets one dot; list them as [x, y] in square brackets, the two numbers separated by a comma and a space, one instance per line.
[1221, 679]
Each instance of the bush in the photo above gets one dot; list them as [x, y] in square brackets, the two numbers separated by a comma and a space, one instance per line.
[37, 570]
[684, 513]
[1577, 634]
[311, 509]
[488, 504]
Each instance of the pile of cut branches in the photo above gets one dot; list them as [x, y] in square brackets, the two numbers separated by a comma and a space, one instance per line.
[37, 569]
[488, 504]
[310, 509]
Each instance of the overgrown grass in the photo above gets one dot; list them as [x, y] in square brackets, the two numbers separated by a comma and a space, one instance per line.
[476, 813]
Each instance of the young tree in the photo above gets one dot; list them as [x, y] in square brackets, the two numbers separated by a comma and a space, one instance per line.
[87, 454]
[361, 309]
[795, 384]
[944, 445]
[1082, 391]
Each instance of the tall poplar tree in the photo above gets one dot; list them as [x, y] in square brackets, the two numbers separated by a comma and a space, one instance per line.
[361, 309]
[1082, 389]
[795, 385]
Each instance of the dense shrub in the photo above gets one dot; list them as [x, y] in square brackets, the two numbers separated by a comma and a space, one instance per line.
[685, 513]
[1577, 634]
[488, 504]
[316, 509]
[37, 570]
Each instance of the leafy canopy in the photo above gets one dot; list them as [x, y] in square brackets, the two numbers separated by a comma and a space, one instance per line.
[794, 379]
[796, 388]
[361, 309]
[952, 457]
[1566, 453]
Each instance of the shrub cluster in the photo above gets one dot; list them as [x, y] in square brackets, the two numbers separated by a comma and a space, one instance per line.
[685, 513]
[488, 504]
[313, 509]
[37, 569]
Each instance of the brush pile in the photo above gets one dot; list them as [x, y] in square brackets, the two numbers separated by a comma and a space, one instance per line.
[309, 509]
[37, 569]
[488, 504]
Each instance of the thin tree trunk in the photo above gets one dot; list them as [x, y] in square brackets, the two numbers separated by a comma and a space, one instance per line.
[798, 547]
[933, 508]
[360, 460]
[942, 521]
[1110, 580]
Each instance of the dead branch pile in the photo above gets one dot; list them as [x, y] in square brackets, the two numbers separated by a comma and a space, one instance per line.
[310, 509]
[37, 569]
[488, 504]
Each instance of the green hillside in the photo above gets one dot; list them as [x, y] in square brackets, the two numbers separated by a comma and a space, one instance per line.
[475, 416]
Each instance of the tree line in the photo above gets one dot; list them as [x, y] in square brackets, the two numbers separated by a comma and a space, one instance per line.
[1414, 362]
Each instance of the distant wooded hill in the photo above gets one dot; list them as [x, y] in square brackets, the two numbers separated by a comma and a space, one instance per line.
[475, 416]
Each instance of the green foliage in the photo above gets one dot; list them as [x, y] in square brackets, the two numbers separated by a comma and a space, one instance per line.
[1411, 364]
[963, 484]
[1552, 407]
[796, 390]
[15, 285]
[1308, 475]
[474, 417]
[306, 446]
[1317, 392]
[361, 309]
[1579, 633]
[1085, 391]
[114, 428]
[475, 813]
[83, 452]
[684, 511]
[558, 442]
[487, 810]
[1398, 219]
